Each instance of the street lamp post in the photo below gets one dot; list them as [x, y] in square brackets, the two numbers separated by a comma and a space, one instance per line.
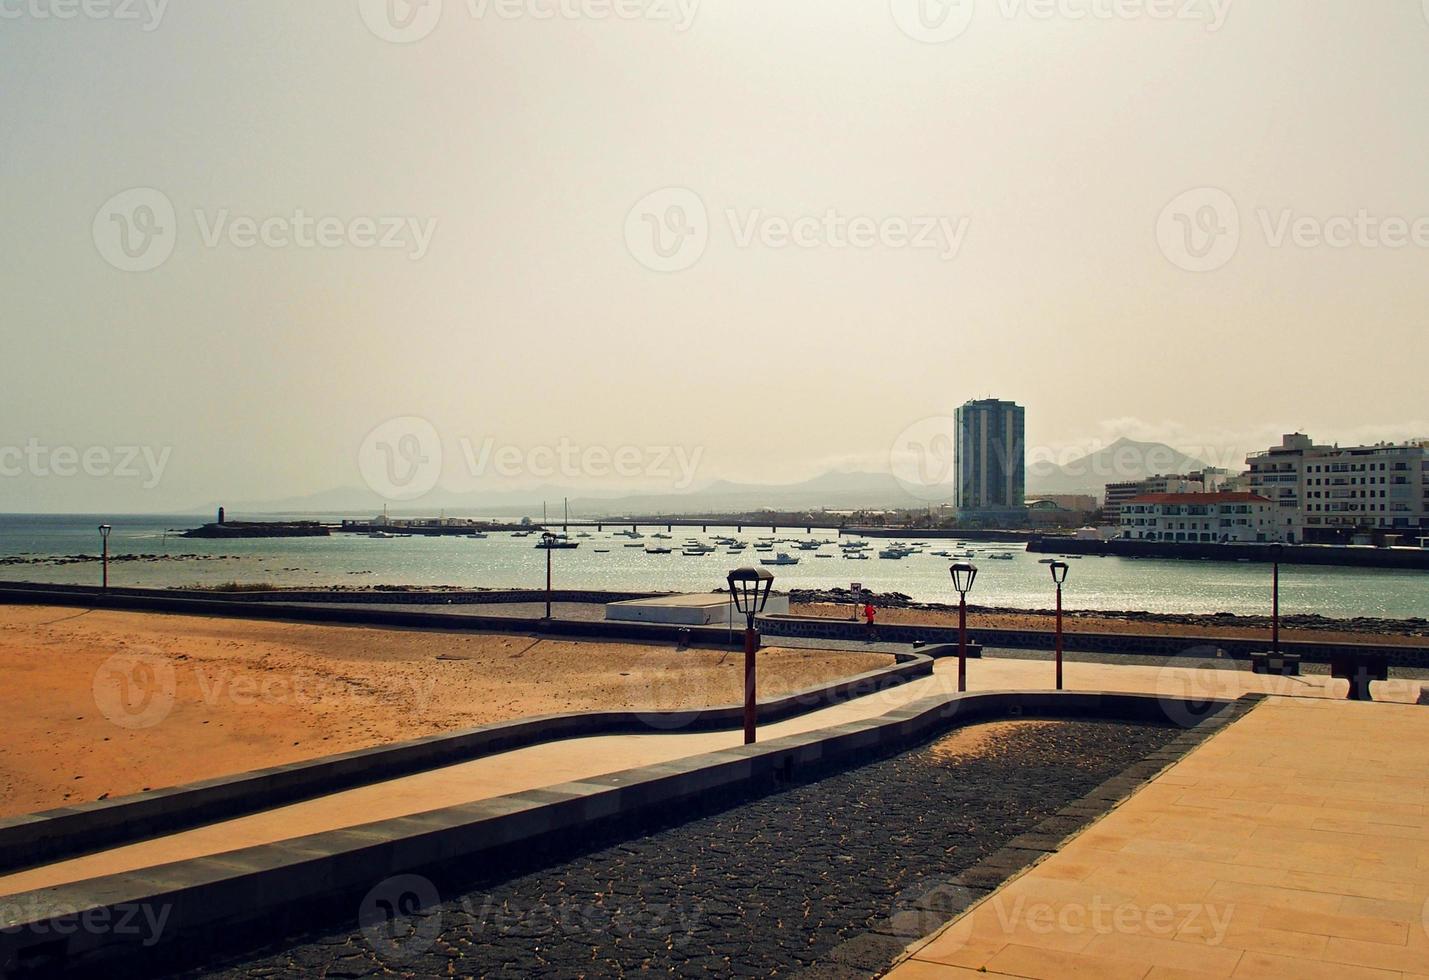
[1277, 551]
[104, 530]
[964, 574]
[1059, 575]
[548, 542]
[750, 589]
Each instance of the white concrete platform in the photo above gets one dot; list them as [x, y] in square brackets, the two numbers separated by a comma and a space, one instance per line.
[701, 609]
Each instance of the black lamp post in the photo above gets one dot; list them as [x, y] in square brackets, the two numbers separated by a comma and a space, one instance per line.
[750, 589]
[964, 574]
[1059, 575]
[548, 542]
[104, 530]
[1277, 551]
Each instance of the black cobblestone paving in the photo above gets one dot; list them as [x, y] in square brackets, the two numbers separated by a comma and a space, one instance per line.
[768, 888]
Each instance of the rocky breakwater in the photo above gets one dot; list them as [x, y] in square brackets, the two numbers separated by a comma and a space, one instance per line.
[257, 529]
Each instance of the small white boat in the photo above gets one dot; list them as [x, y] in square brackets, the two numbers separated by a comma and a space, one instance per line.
[783, 558]
[477, 536]
[657, 551]
[381, 535]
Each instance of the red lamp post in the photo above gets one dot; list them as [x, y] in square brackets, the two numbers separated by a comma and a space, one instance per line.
[750, 589]
[1059, 575]
[964, 574]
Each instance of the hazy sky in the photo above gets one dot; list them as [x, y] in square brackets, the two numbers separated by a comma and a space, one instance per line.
[772, 236]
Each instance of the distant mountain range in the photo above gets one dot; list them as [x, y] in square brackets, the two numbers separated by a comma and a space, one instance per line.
[1124, 459]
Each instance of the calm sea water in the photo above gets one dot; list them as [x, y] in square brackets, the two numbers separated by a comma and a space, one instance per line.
[502, 561]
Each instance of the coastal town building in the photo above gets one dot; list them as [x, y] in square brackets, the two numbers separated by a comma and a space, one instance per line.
[1117, 494]
[1338, 495]
[1206, 518]
[1208, 480]
[990, 454]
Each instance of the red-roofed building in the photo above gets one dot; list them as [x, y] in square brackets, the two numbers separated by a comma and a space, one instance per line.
[1202, 518]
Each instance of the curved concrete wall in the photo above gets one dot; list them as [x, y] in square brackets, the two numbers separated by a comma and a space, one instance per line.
[55, 834]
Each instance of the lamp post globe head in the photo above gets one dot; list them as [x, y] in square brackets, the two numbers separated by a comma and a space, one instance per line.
[964, 574]
[1059, 571]
[548, 538]
[104, 530]
[1277, 551]
[750, 588]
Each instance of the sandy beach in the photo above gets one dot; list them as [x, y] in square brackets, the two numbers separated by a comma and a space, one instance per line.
[1075, 622]
[103, 703]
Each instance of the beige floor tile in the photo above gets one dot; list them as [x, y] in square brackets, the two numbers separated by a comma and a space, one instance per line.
[920, 970]
[1342, 926]
[1309, 858]
[1267, 966]
[1216, 960]
[1382, 956]
[1045, 964]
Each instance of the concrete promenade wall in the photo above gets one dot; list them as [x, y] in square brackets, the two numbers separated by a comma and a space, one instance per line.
[272, 889]
[1151, 644]
[220, 604]
[360, 614]
[394, 597]
[1293, 554]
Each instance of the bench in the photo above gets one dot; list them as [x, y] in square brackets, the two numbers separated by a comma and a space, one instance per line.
[1360, 669]
[1283, 664]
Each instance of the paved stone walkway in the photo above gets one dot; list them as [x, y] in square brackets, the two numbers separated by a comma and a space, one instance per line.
[1293, 844]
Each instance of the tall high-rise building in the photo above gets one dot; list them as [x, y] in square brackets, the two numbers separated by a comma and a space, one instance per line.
[991, 458]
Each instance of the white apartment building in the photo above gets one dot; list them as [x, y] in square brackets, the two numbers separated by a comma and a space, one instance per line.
[1203, 518]
[1328, 494]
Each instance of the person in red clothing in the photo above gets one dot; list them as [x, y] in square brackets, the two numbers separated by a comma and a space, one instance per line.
[868, 616]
